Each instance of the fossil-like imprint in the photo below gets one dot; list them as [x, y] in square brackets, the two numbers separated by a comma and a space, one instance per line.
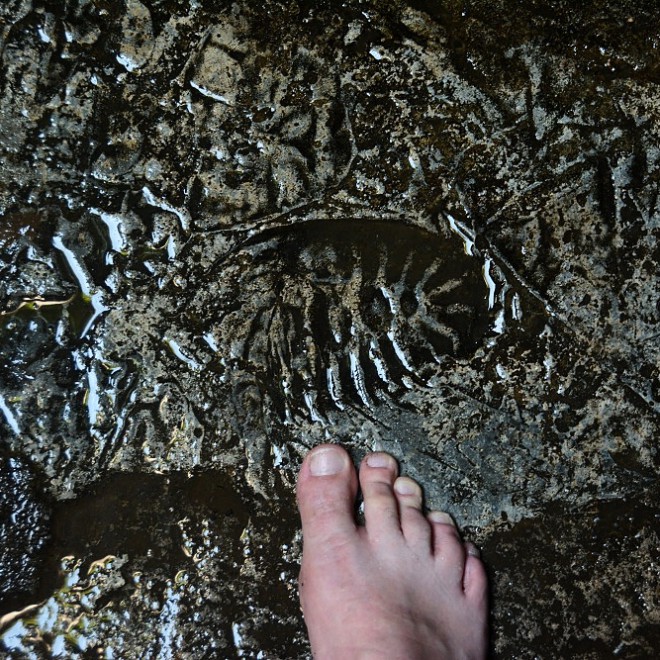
[330, 313]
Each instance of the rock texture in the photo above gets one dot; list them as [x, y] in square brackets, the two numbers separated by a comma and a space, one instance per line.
[233, 230]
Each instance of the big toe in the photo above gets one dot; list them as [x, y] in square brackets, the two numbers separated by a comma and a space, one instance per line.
[327, 487]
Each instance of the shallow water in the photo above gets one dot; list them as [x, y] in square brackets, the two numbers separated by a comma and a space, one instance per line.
[231, 232]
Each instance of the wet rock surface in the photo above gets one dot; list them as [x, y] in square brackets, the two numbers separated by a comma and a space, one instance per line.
[24, 530]
[230, 232]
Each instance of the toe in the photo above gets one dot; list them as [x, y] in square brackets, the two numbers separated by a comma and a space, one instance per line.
[475, 580]
[381, 511]
[448, 548]
[414, 524]
[327, 487]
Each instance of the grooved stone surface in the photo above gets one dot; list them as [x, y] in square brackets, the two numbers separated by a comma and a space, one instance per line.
[230, 231]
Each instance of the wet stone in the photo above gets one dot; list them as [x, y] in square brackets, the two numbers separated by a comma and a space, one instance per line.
[580, 566]
[24, 532]
[345, 311]
[232, 231]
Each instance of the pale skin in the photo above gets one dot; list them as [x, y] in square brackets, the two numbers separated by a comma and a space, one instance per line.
[403, 586]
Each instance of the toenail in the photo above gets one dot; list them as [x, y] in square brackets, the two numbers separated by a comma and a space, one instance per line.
[441, 517]
[327, 461]
[380, 461]
[472, 550]
[405, 486]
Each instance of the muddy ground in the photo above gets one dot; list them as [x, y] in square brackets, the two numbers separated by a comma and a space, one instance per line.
[231, 231]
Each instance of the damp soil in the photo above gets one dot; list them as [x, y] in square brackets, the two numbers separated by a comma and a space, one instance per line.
[230, 231]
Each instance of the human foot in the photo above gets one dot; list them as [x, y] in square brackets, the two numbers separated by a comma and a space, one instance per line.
[402, 586]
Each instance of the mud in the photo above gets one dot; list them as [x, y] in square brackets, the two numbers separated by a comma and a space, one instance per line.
[230, 232]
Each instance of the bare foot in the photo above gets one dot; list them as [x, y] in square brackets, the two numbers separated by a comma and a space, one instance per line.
[402, 586]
